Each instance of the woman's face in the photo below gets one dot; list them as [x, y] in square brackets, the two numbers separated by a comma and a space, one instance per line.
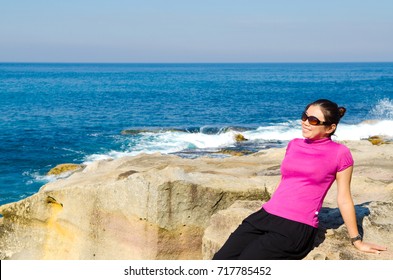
[315, 132]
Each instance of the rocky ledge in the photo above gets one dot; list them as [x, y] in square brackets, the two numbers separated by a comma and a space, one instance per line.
[166, 207]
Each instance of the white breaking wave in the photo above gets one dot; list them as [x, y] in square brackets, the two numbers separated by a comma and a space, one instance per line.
[383, 110]
[37, 177]
[343, 132]
[281, 132]
[172, 142]
[380, 123]
[365, 130]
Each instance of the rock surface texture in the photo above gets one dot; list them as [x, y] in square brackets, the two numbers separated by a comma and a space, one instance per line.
[166, 207]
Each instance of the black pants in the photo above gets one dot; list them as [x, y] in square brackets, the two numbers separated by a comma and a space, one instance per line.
[263, 236]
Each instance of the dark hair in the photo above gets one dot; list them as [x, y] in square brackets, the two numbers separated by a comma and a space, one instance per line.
[330, 110]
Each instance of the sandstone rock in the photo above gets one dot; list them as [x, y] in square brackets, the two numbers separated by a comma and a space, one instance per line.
[159, 207]
[376, 223]
[144, 207]
[233, 152]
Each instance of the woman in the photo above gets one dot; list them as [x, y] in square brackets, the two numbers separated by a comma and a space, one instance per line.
[286, 226]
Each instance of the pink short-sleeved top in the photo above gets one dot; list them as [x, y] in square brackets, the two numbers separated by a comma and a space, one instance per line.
[308, 171]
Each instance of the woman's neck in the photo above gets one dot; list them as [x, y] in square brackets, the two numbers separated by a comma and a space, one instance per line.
[319, 140]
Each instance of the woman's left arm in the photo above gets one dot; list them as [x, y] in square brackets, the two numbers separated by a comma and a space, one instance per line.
[347, 209]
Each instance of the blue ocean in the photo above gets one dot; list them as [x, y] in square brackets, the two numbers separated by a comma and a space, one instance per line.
[79, 113]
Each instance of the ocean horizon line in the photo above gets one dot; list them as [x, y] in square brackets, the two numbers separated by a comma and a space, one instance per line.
[196, 63]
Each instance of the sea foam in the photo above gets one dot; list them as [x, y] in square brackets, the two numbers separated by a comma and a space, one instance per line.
[212, 138]
[168, 142]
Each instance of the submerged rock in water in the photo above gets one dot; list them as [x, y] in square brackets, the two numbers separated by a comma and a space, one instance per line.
[151, 130]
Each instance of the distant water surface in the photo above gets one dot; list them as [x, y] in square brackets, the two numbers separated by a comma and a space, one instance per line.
[75, 113]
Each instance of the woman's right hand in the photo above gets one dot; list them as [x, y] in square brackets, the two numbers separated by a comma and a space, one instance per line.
[369, 247]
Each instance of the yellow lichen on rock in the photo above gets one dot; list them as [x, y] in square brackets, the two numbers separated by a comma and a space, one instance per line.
[240, 138]
[65, 167]
[58, 236]
[377, 140]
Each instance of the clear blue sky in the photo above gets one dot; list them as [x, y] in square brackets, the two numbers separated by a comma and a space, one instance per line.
[196, 31]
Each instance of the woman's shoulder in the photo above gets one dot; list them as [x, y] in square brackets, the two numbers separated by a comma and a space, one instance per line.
[340, 145]
[342, 149]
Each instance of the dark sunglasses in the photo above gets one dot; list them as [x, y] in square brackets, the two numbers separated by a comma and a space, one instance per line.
[313, 120]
